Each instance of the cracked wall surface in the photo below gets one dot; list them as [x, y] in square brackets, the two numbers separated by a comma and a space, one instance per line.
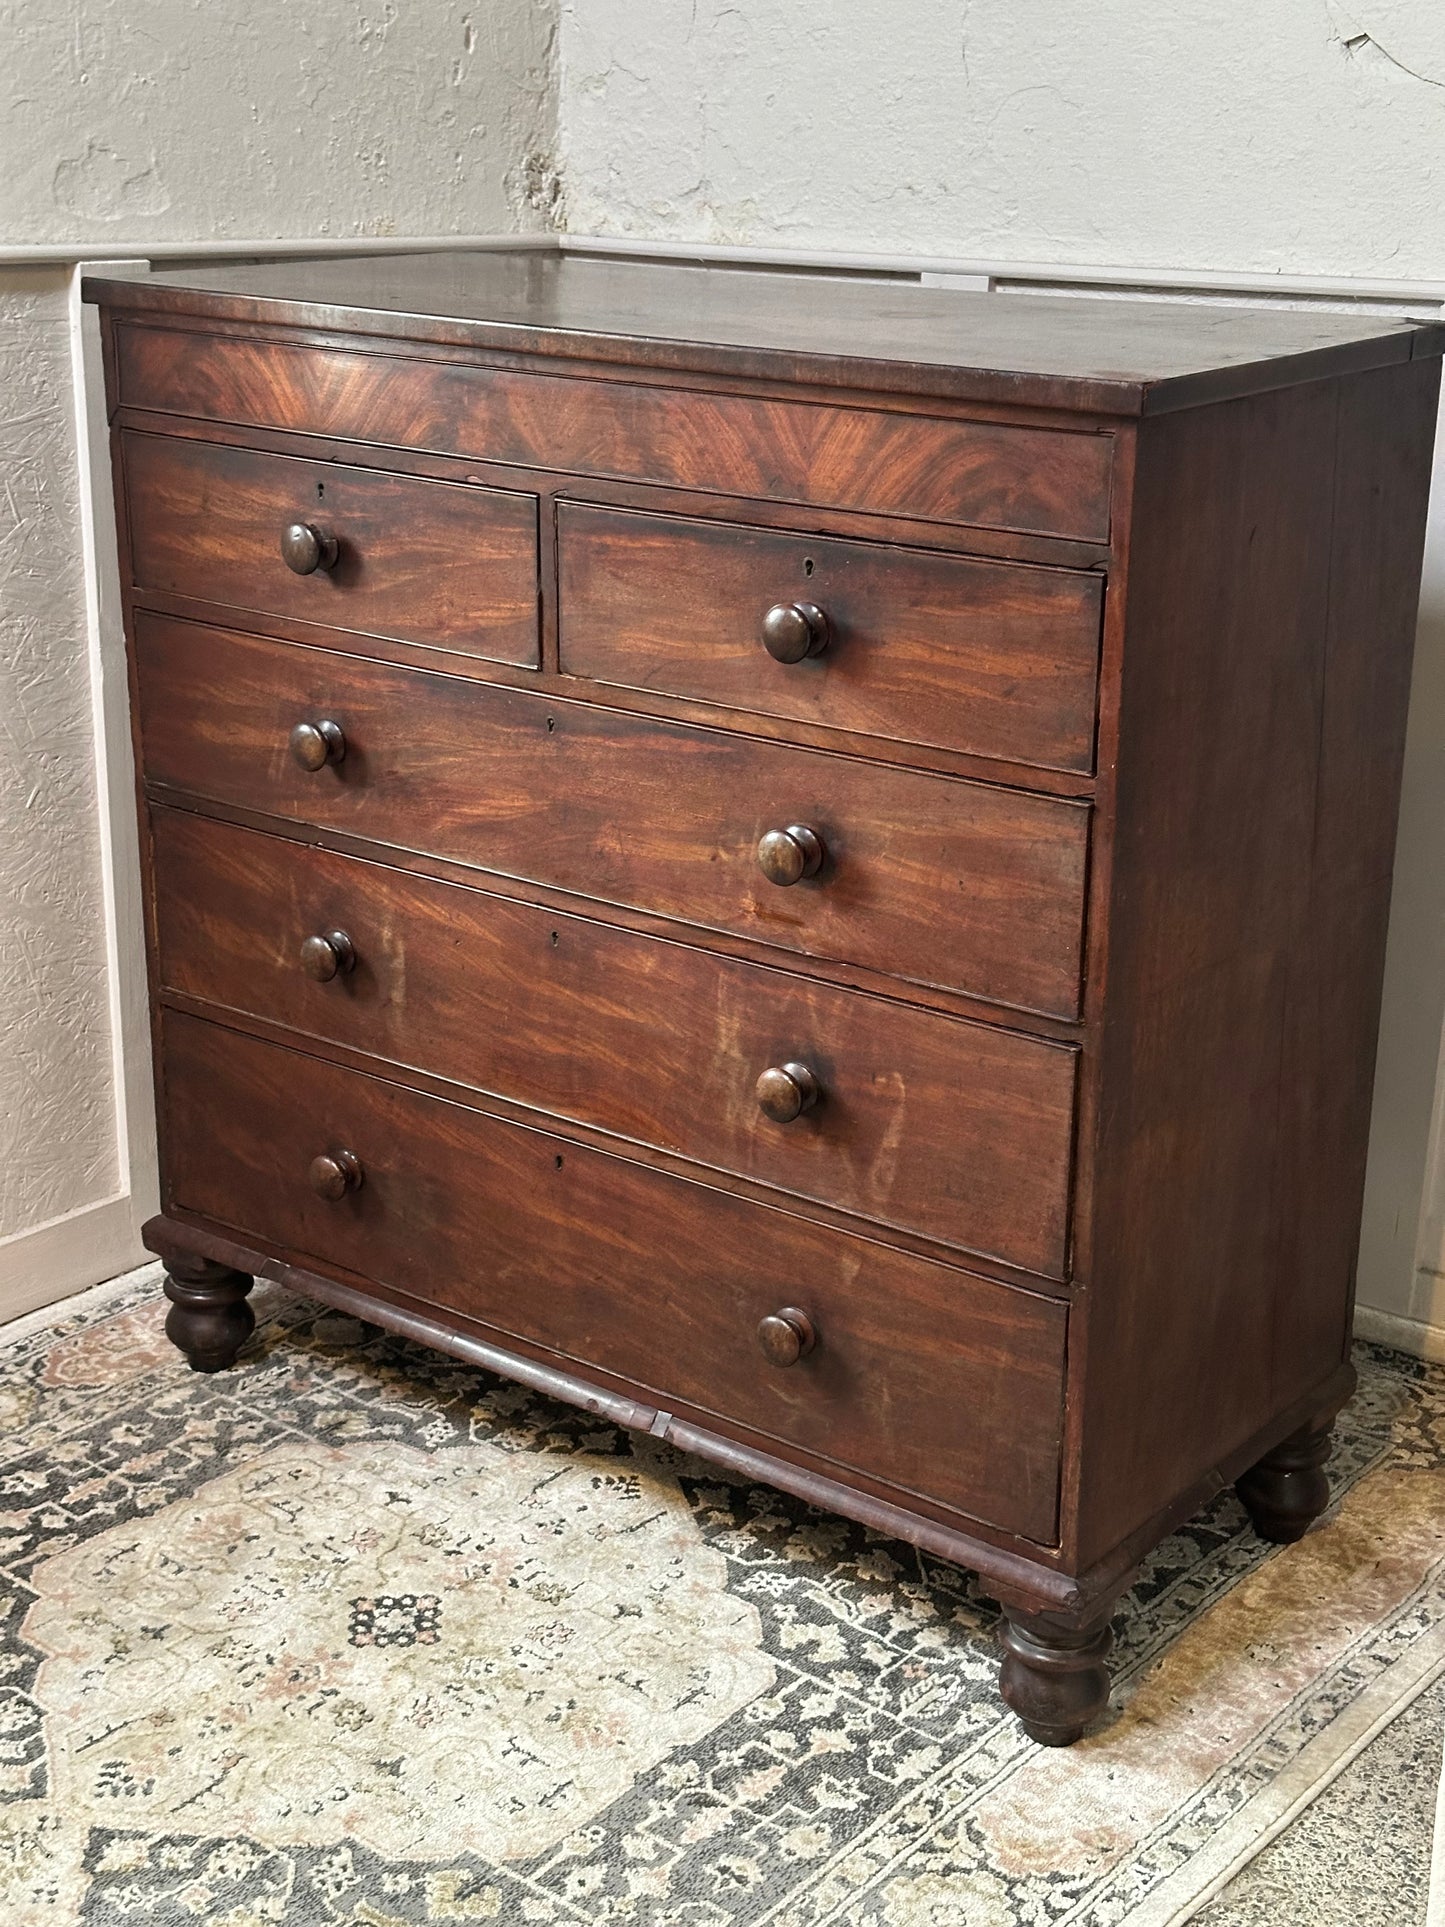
[1304, 137]
[172, 120]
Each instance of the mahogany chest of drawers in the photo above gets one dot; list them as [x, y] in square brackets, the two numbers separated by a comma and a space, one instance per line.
[801, 863]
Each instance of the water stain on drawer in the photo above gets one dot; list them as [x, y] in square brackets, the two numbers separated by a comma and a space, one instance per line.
[926, 1377]
[956, 1130]
[951, 883]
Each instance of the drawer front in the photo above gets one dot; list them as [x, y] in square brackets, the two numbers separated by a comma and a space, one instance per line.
[922, 1121]
[926, 877]
[447, 565]
[938, 649]
[1042, 481]
[936, 1381]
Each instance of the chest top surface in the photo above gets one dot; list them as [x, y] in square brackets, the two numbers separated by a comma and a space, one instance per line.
[1122, 357]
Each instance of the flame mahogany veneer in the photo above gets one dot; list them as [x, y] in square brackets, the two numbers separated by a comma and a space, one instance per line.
[801, 864]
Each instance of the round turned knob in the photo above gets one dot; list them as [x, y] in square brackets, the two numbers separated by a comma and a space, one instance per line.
[793, 630]
[305, 548]
[786, 856]
[314, 745]
[335, 1173]
[786, 1091]
[786, 1336]
[322, 957]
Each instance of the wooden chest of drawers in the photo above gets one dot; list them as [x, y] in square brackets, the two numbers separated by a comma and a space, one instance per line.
[803, 865]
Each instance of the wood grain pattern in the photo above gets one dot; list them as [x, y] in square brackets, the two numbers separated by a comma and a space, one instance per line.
[936, 649]
[932, 1379]
[1036, 480]
[953, 883]
[1384, 443]
[947, 1128]
[1218, 1053]
[1046, 551]
[886, 335]
[451, 567]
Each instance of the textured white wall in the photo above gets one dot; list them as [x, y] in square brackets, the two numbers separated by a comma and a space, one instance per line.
[1288, 137]
[57, 1131]
[167, 120]
[170, 120]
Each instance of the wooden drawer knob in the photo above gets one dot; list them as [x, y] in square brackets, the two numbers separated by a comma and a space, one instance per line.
[326, 956]
[786, 1091]
[786, 1336]
[305, 548]
[314, 745]
[787, 856]
[794, 630]
[335, 1173]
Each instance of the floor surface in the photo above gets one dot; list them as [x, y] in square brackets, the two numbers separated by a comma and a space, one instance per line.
[357, 1634]
[1359, 1855]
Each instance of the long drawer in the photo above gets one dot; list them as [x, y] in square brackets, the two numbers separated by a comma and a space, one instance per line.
[1045, 481]
[928, 648]
[449, 566]
[939, 1382]
[932, 879]
[918, 1120]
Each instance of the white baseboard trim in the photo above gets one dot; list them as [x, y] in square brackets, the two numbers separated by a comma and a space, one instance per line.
[67, 253]
[1072, 275]
[1410, 1335]
[1075, 275]
[69, 1254]
[14, 1329]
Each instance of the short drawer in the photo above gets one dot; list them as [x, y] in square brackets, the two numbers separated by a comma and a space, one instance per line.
[998, 475]
[921, 1376]
[447, 565]
[987, 657]
[956, 1130]
[930, 878]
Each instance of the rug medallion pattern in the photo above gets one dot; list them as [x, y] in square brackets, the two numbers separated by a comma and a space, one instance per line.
[358, 1635]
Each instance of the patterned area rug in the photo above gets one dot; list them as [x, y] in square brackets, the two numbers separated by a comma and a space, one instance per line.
[358, 1635]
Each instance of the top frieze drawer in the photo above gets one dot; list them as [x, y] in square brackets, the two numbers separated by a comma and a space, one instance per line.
[873, 459]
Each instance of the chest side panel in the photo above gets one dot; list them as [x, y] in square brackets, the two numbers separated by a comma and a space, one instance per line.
[1249, 819]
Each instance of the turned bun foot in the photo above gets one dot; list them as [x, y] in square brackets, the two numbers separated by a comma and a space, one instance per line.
[1055, 1679]
[1287, 1491]
[209, 1320]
